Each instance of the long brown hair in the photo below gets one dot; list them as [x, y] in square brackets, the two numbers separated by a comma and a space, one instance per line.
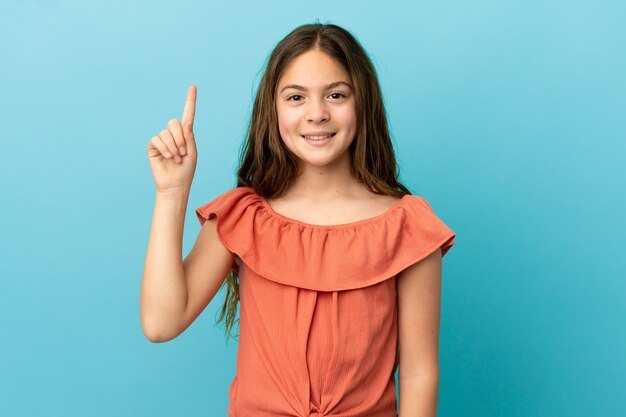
[268, 166]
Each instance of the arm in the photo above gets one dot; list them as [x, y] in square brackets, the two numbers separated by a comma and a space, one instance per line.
[163, 288]
[419, 304]
[174, 292]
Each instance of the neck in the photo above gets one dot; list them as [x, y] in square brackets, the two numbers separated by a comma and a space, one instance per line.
[326, 182]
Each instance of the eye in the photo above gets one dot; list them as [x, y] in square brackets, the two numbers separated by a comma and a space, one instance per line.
[341, 94]
[295, 95]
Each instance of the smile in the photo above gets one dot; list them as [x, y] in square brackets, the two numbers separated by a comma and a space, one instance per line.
[318, 137]
[318, 140]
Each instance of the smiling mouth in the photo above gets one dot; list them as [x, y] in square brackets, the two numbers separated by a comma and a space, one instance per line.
[319, 137]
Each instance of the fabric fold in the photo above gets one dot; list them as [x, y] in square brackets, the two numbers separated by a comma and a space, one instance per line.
[336, 257]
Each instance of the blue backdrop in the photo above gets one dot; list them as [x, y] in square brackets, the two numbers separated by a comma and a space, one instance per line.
[509, 117]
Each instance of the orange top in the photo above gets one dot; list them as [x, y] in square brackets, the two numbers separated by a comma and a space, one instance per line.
[318, 305]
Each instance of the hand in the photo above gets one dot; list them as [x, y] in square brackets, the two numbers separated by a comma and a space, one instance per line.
[172, 168]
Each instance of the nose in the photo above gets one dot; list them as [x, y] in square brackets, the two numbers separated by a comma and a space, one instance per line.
[317, 112]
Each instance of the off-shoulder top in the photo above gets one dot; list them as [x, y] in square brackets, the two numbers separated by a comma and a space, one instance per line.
[318, 304]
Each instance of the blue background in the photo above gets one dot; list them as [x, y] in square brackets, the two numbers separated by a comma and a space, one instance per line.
[508, 117]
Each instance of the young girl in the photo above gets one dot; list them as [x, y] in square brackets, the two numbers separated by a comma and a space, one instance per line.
[336, 265]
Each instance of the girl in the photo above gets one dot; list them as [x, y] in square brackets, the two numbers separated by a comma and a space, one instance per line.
[336, 264]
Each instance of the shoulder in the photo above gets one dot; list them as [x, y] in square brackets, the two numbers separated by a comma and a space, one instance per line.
[384, 202]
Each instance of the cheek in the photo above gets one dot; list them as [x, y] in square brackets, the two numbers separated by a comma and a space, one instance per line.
[348, 118]
[287, 123]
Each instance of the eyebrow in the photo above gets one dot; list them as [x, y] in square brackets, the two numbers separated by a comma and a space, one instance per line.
[326, 87]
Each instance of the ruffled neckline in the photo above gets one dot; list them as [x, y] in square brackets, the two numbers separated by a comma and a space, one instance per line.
[325, 257]
[372, 219]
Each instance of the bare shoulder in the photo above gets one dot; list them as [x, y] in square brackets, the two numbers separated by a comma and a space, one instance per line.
[384, 202]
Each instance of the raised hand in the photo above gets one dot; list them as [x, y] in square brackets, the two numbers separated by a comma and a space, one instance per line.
[172, 153]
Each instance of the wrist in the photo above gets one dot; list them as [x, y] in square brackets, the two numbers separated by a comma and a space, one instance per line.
[173, 193]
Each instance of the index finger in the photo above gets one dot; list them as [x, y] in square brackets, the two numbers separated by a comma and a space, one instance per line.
[190, 106]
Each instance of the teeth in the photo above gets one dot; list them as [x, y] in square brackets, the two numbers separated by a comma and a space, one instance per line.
[318, 137]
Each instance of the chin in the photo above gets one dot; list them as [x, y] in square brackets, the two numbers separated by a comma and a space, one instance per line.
[321, 161]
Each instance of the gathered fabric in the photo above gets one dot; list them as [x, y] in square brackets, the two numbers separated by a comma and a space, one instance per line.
[318, 305]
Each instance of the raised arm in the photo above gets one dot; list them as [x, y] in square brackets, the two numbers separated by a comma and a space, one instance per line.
[174, 292]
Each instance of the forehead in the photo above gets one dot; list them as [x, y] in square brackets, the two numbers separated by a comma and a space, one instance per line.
[313, 69]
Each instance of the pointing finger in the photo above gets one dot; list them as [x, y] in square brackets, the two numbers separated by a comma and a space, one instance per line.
[190, 108]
